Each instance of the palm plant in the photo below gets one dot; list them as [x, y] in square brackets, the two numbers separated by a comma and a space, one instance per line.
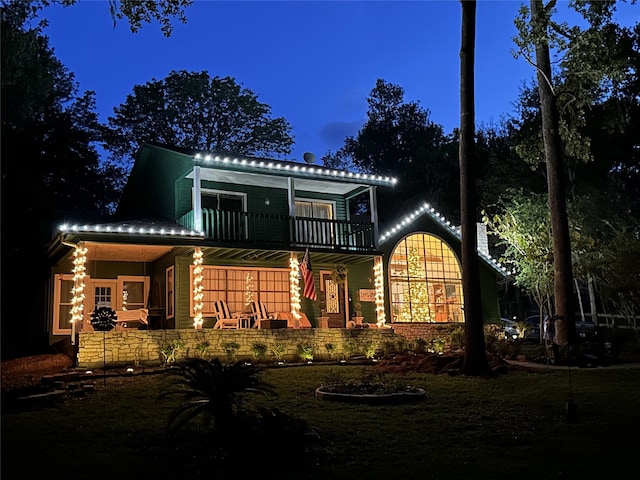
[213, 391]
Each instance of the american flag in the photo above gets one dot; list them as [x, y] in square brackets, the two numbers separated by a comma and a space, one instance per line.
[309, 290]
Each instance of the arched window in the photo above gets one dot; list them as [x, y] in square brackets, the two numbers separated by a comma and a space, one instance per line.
[425, 281]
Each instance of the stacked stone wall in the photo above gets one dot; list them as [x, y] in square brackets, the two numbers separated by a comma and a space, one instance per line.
[144, 347]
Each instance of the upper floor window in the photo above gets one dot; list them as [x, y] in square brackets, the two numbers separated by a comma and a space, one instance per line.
[314, 209]
[221, 200]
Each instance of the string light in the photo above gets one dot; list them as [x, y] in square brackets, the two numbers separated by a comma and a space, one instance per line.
[77, 292]
[198, 294]
[378, 282]
[294, 285]
[115, 229]
[426, 208]
[311, 171]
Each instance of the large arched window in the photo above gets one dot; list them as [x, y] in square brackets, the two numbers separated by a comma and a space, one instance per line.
[425, 281]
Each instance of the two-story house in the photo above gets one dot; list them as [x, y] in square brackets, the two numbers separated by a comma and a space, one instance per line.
[194, 228]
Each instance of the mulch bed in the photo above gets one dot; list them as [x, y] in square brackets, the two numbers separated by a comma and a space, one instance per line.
[450, 364]
[25, 372]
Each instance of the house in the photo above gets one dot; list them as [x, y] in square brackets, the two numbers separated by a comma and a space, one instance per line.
[195, 228]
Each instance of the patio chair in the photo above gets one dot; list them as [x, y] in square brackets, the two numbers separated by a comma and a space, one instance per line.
[260, 313]
[224, 318]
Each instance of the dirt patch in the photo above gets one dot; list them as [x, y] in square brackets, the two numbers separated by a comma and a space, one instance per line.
[28, 371]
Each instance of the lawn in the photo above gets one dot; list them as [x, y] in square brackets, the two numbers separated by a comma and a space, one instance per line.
[510, 426]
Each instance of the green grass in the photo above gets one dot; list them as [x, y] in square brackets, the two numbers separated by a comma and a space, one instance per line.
[511, 426]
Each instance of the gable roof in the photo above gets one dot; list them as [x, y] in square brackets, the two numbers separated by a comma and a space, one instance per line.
[428, 210]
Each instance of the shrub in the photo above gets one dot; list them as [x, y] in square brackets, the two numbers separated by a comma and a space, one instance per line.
[330, 348]
[231, 350]
[370, 347]
[259, 350]
[349, 347]
[169, 350]
[201, 348]
[436, 345]
[305, 351]
[278, 350]
[457, 337]
[419, 345]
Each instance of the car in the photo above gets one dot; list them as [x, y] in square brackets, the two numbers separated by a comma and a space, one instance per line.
[510, 329]
[532, 334]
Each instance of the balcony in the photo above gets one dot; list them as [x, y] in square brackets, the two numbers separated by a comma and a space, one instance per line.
[283, 231]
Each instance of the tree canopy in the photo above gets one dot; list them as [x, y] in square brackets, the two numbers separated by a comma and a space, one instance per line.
[400, 140]
[196, 111]
[50, 164]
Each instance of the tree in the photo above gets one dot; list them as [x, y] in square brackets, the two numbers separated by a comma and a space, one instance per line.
[399, 139]
[475, 355]
[138, 12]
[590, 70]
[195, 111]
[562, 269]
[50, 166]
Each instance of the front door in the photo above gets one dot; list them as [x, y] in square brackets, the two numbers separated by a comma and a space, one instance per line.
[332, 300]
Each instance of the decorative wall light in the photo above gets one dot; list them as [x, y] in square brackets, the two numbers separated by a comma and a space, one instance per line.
[267, 202]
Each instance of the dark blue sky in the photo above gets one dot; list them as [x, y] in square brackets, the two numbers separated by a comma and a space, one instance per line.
[313, 62]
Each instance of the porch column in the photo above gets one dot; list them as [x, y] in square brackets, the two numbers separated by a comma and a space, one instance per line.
[373, 202]
[378, 273]
[197, 200]
[198, 296]
[294, 284]
[77, 301]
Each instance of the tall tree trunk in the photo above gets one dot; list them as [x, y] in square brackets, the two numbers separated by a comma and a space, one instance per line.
[475, 355]
[562, 269]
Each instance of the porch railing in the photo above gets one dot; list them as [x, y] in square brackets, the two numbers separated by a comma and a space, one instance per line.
[283, 230]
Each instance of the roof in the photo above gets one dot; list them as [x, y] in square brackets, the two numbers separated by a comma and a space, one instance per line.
[426, 209]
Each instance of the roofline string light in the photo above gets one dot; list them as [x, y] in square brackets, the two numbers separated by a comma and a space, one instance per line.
[120, 229]
[317, 171]
[426, 208]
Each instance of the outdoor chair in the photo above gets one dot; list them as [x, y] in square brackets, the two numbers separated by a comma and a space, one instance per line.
[224, 318]
[260, 313]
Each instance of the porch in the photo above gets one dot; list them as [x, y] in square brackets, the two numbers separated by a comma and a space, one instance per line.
[283, 231]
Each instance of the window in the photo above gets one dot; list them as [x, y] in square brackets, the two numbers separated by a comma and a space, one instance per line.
[221, 200]
[133, 292]
[270, 286]
[170, 284]
[62, 288]
[425, 280]
[318, 231]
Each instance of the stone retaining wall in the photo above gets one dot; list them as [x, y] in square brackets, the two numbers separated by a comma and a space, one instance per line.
[143, 347]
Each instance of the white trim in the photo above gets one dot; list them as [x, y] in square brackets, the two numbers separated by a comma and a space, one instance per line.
[57, 290]
[170, 300]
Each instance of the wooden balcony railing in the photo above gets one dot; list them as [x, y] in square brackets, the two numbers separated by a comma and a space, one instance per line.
[283, 230]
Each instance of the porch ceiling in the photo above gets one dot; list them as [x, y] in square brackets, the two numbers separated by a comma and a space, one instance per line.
[125, 252]
[338, 186]
[251, 256]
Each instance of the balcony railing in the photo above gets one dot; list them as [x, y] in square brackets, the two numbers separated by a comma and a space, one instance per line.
[283, 230]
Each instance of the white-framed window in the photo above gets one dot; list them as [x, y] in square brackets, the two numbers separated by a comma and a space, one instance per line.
[170, 281]
[236, 285]
[425, 281]
[132, 292]
[63, 301]
[315, 231]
